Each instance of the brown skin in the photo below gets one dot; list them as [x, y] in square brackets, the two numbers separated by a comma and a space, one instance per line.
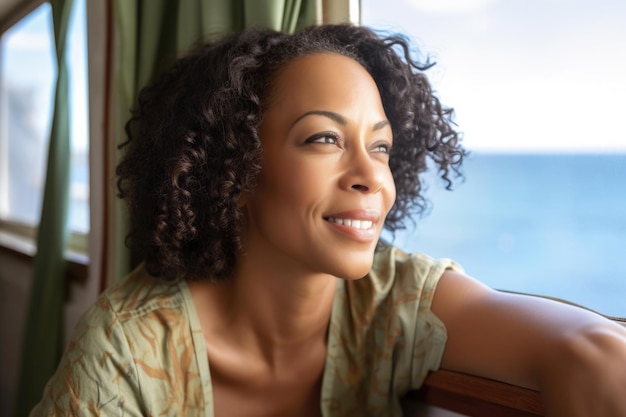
[255, 372]
[265, 329]
[576, 358]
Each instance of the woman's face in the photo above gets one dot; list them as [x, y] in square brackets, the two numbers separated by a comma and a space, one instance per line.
[325, 185]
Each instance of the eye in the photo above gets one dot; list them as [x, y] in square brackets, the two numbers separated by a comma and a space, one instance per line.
[382, 148]
[324, 137]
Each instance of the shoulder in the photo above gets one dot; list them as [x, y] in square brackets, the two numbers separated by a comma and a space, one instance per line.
[398, 280]
[138, 294]
[124, 312]
[146, 318]
[394, 269]
[123, 350]
[389, 310]
[136, 298]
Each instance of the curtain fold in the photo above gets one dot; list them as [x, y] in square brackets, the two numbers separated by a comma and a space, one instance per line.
[43, 337]
[151, 34]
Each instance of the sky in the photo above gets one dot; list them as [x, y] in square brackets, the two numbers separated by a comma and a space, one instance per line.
[522, 75]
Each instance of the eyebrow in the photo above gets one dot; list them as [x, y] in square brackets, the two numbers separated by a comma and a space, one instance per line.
[338, 118]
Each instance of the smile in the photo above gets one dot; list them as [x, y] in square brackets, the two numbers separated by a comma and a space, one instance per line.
[354, 223]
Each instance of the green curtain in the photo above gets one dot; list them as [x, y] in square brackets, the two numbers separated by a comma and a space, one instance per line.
[43, 339]
[154, 32]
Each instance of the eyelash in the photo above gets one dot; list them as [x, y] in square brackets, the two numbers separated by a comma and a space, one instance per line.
[324, 135]
[337, 140]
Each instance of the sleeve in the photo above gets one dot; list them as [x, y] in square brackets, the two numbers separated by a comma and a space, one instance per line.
[430, 336]
[97, 375]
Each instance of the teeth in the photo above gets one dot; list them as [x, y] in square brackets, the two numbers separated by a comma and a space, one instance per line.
[357, 224]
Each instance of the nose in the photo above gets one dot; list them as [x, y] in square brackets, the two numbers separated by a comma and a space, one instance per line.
[363, 173]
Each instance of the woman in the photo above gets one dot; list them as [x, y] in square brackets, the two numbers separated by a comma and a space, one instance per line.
[259, 172]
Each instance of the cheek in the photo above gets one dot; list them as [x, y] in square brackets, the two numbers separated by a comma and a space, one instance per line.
[288, 185]
[390, 192]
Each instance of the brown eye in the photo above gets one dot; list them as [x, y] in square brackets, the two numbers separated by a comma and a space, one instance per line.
[324, 137]
[382, 148]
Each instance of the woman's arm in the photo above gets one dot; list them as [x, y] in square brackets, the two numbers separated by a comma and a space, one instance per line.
[576, 358]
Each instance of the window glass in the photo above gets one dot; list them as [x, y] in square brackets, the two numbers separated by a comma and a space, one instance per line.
[27, 77]
[538, 88]
[26, 92]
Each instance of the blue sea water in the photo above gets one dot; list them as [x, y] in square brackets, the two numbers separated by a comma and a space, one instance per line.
[535, 223]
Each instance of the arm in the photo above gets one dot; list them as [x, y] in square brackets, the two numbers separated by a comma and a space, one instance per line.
[576, 358]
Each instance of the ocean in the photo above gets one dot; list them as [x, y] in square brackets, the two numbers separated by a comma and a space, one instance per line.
[549, 224]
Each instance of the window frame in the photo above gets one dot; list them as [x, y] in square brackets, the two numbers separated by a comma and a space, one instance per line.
[18, 238]
[337, 11]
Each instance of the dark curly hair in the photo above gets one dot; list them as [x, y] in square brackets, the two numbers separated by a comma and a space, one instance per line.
[193, 145]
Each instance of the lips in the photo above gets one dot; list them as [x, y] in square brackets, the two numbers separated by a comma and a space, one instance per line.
[359, 225]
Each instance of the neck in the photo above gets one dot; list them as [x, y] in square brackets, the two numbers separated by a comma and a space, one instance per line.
[280, 307]
[272, 311]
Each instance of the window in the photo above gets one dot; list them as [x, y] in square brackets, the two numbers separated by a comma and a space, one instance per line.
[538, 90]
[27, 77]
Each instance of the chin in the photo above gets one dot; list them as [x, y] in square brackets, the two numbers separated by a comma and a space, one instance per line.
[356, 268]
[349, 263]
[354, 278]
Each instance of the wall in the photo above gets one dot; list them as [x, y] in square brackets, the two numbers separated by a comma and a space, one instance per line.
[15, 282]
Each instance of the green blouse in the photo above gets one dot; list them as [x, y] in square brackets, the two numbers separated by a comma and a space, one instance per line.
[140, 351]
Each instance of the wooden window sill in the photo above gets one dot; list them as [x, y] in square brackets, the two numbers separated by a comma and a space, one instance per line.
[477, 397]
[77, 264]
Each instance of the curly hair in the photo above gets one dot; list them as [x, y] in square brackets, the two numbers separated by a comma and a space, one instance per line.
[193, 145]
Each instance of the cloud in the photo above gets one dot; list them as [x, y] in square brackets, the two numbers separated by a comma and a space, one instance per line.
[448, 6]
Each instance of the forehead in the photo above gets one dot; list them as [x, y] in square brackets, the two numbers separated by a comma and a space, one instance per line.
[323, 78]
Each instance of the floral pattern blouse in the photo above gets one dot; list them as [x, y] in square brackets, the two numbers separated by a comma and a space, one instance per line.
[140, 350]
